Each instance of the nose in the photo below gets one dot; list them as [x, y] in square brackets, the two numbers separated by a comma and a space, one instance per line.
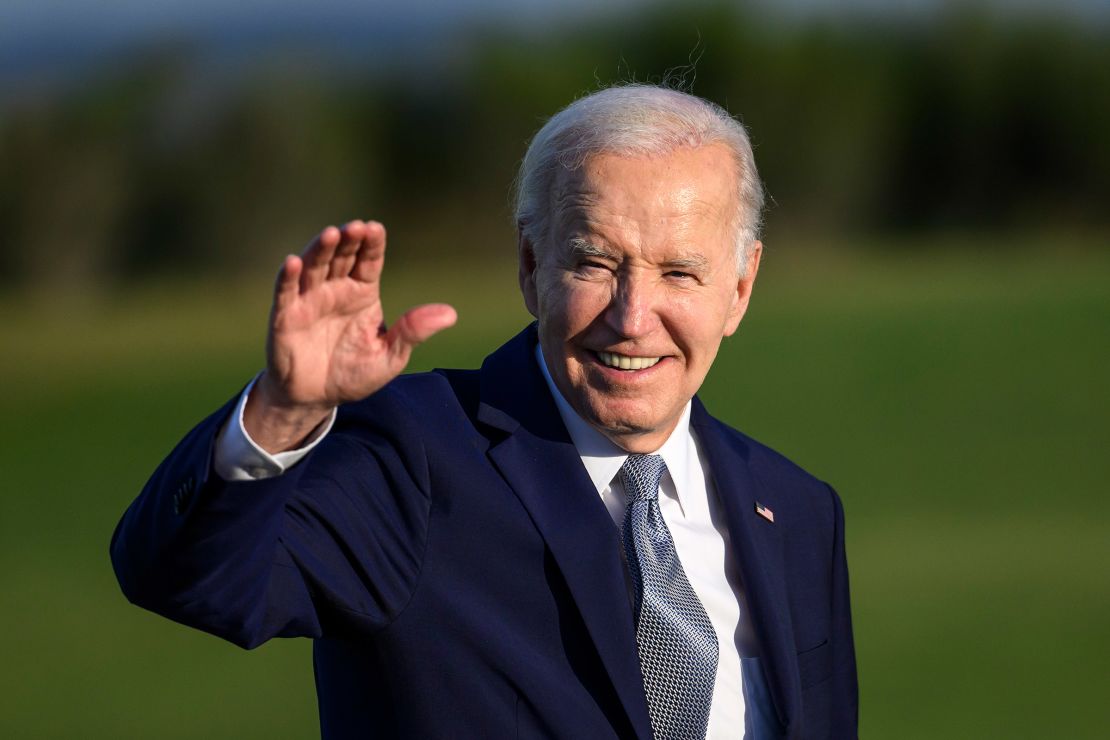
[632, 310]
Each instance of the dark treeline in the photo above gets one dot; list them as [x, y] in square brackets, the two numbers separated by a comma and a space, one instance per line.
[954, 124]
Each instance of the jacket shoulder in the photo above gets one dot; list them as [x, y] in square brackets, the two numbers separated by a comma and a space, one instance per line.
[417, 410]
[418, 394]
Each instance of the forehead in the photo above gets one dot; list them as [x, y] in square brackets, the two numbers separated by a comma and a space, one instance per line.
[690, 191]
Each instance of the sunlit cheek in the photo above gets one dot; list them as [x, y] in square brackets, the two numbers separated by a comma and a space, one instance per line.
[584, 303]
[696, 327]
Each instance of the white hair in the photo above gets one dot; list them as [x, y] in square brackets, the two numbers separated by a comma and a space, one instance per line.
[635, 120]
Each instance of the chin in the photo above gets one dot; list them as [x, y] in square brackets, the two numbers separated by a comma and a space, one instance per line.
[625, 424]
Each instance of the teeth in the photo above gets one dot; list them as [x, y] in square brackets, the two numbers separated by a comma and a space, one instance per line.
[624, 362]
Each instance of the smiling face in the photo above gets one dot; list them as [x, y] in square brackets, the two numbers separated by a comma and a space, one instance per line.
[637, 285]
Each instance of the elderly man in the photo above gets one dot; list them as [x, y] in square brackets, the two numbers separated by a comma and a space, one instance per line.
[563, 543]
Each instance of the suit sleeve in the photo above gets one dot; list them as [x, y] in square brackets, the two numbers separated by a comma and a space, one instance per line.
[845, 691]
[334, 544]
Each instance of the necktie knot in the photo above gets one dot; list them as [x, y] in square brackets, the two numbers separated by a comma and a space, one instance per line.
[640, 476]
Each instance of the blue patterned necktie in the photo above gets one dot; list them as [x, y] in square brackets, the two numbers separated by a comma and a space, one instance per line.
[677, 644]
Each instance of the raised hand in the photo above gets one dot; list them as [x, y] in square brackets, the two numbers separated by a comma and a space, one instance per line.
[328, 342]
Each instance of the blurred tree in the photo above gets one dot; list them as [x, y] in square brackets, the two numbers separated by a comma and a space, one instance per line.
[960, 122]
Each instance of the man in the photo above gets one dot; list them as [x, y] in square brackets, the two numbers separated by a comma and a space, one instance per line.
[561, 544]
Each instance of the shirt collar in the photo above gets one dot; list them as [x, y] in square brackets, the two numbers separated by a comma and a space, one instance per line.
[603, 459]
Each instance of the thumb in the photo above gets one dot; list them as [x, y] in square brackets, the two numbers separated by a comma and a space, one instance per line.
[418, 324]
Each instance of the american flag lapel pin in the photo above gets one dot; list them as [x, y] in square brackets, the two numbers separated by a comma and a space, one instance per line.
[764, 512]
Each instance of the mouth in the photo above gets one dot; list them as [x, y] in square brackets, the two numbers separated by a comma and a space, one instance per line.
[618, 361]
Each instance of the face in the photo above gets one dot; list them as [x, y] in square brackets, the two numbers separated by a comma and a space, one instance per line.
[637, 285]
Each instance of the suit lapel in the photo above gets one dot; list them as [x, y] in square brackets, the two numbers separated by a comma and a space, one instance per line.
[759, 549]
[541, 464]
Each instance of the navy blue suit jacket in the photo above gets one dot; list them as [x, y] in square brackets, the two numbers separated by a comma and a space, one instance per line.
[461, 577]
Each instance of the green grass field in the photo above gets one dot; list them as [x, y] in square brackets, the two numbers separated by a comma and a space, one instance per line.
[959, 403]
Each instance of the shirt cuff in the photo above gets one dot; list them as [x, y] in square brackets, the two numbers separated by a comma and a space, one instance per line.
[238, 458]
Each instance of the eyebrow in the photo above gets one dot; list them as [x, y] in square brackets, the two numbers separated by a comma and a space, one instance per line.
[694, 262]
[582, 248]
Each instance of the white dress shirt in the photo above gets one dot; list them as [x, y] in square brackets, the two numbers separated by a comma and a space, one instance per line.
[688, 504]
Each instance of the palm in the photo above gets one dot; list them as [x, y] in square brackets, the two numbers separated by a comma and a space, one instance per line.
[328, 343]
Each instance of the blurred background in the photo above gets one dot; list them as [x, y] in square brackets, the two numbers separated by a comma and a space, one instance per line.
[929, 331]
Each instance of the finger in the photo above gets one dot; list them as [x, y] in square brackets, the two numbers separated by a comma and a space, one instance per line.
[417, 325]
[316, 257]
[351, 238]
[287, 286]
[371, 254]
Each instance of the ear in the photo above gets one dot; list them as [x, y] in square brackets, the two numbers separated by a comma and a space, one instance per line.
[526, 271]
[744, 284]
